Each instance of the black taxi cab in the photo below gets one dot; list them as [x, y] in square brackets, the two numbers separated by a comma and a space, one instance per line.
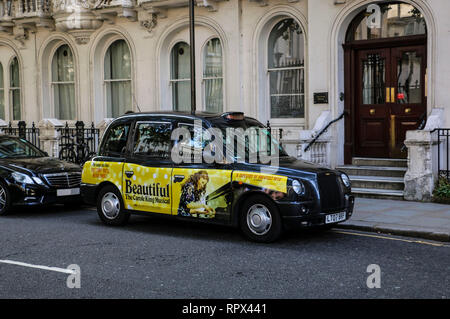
[217, 168]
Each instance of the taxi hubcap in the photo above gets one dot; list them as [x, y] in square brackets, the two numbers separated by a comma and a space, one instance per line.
[259, 219]
[110, 205]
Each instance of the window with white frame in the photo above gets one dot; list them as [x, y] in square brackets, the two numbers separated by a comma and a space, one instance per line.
[286, 69]
[63, 83]
[2, 94]
[213, 76]
[180, 77]
[117, 79]
[14, 89]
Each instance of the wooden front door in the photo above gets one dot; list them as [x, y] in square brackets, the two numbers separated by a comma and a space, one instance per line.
[389, 99]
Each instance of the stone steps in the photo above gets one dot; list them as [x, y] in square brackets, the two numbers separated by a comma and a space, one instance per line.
[385, 171]
[376, 177]
[390, 162]
[377, 182]
[378, 193]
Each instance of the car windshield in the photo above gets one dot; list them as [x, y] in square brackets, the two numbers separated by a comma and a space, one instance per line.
[11, 147]
[251, 139]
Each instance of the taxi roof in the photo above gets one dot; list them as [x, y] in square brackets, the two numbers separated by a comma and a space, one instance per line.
[196, 115]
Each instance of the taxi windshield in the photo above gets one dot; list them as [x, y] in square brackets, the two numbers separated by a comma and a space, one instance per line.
[248, 138]
[11, 147]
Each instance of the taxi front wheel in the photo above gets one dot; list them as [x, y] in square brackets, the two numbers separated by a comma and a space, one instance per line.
[110, 207]
[260, 220]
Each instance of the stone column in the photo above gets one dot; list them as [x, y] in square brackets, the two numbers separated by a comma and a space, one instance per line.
[419, 178]
[49, 135]
[422, 174]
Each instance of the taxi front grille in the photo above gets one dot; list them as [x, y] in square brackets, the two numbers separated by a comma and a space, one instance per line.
[331, 192]
[63, 180]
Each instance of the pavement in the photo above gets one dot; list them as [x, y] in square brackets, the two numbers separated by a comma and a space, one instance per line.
[398, 217]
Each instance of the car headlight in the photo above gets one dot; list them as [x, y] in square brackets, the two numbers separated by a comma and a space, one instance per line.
[37, 180]
[298, 187]
[22, 178]
[345, 180]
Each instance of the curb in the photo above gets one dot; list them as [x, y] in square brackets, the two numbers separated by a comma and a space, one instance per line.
[405, 231]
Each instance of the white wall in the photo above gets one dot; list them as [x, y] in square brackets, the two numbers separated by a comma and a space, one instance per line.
[240, 25]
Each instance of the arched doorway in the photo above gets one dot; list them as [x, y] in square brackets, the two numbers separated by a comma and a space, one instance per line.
[385, 79]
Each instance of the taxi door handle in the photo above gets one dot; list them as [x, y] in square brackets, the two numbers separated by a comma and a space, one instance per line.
[178, 178]
[129, 174]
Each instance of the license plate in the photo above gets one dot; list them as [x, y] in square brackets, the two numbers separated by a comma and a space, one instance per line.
[68, 192]
[334, 218]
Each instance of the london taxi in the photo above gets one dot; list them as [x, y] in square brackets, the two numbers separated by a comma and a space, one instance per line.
[138, 170]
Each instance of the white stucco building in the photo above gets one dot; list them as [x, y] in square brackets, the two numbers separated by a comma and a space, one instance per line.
[296, 63]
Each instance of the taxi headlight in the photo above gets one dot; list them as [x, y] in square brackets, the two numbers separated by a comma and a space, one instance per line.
[298, 187]
[22, 178]
[345, 180]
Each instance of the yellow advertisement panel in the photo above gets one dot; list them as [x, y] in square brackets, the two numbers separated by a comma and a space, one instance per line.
[147, 188]
[201, 193]
[97, 172]
[267, 181]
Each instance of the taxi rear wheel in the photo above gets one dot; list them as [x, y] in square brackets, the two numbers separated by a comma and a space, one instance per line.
[260, 220]
[5, 199]
[110, 206]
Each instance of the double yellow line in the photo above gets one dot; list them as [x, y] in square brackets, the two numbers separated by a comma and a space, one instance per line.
[393, 238]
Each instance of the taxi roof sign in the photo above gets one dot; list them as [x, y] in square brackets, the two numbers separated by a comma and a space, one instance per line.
[237, 116]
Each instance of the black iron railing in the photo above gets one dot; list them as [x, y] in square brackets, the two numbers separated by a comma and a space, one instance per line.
[78, 144]
[276, 133]
[442, 138]
[310, 144]
[31, 134]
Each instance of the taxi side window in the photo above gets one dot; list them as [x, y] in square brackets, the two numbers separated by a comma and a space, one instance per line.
[116, 141]
[200, 138]
[152, 139]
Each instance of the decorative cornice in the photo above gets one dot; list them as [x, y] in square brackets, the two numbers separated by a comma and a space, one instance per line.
[149, 24]
[81, 37]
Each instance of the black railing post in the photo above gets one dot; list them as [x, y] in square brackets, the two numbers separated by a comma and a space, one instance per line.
[439, 152]
[269, 143]
[79, 139]
[280, 134]
[446, 136]
[32, 132]
[22, 129]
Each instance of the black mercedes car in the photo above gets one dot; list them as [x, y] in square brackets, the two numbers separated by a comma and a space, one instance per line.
[173, 164]
[28, 176]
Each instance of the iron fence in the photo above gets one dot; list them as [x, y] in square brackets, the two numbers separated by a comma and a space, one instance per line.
[276, 133]
[31, 134]
[78, 144]
[442, 150]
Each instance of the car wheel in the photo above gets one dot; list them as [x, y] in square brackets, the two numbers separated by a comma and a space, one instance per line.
[5, 199]
[110, 207]
[260, 220]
